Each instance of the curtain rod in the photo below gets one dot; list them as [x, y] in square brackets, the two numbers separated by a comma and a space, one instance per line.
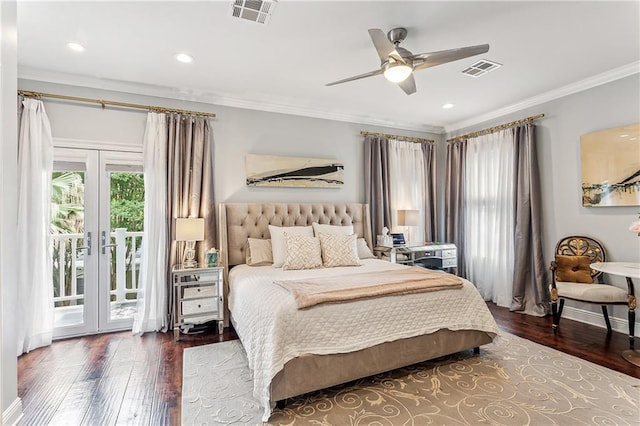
[38, 95]
[398, 137]
[496, 128]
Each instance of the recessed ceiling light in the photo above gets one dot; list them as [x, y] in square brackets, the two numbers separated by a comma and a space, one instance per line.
[448, 106]
[184, 58]
[75, 46]
[624, 135]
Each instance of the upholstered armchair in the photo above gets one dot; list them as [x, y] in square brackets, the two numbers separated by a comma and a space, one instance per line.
[573, 279]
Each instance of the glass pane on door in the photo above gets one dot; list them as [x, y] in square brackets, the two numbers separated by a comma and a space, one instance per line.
[126, 230]
[67, 242]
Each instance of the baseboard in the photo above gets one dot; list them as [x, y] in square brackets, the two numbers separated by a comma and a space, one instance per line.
[13, 413]
[597, 319]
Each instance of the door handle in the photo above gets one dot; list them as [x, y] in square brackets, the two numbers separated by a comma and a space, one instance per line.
[88, 246]
[103, 239]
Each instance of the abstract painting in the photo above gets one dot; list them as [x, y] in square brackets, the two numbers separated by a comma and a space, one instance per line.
[272, 170]
[611, 167]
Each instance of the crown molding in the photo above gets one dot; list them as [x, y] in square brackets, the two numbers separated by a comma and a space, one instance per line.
[579, 86]
[304, 111]
[190, 95]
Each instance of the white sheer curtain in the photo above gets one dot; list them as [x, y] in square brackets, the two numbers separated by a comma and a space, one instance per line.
[151, 312]
[406, 182]
[35, 271]
[490, 215]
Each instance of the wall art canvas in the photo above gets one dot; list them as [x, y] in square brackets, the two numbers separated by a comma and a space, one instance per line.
[272, 170]
[611, 167]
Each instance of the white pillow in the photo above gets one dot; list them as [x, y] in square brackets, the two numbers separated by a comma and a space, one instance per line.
[278, 243]
[339, 250]
[303, 252]
[363, 249]
[331, 229]
[259, 252]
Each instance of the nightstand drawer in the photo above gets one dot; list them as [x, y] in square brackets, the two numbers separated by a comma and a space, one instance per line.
[449, 253]
[200, 306]
[202, 291]
[447, 263]
[201, 277]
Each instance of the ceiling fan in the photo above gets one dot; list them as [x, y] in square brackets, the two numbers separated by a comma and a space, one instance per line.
[397, 63]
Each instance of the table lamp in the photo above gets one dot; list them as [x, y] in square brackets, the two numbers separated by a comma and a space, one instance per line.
[190, 230]
[408, 218]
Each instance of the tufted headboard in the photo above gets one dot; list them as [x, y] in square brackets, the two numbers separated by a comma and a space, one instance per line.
[239, 221]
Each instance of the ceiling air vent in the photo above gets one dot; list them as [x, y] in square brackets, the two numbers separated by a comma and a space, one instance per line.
[253, 10]
[480, 68]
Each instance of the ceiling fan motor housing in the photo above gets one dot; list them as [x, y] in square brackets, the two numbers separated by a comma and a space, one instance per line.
[397, 35]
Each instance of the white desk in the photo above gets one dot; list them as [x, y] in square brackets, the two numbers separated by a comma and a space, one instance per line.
[628, 270]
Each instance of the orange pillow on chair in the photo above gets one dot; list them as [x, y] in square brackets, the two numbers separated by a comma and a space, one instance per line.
[573, 269]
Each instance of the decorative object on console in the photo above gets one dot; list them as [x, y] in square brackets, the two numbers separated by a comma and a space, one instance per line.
[271, 170]
[190, 230]
[635, 227]
[384, 240]
[611, 167]
[408, 219]
[212, 258]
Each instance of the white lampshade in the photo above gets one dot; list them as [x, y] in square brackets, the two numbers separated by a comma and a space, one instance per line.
[190, 229]
[397, 72]
[408, 217]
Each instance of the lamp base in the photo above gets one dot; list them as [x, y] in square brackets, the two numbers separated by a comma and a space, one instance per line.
[189, 263]
[189, 255]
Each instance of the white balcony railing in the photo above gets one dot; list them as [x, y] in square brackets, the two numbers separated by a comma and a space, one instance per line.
[68, 266]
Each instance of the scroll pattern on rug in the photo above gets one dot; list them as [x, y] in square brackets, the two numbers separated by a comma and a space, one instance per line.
[513, 381]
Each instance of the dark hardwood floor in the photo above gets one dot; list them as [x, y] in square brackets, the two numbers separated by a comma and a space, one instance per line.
[118, 378]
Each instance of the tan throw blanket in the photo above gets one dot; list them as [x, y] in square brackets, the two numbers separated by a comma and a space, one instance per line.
[312, 291]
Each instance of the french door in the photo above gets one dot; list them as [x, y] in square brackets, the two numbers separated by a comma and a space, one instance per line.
[96, 234]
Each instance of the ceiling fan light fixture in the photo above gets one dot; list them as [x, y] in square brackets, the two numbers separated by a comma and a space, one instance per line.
[397, 72]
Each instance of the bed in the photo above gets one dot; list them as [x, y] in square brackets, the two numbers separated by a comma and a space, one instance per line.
[294, 351]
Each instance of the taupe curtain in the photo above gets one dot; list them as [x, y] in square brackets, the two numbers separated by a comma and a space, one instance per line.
[454, 201]
[530, 292]
[376, 182]
[190, 182]
[429, 194]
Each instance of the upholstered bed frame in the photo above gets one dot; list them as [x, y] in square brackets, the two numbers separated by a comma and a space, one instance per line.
[307, 373]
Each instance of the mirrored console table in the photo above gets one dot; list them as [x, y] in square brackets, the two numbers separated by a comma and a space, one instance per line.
[442, 256]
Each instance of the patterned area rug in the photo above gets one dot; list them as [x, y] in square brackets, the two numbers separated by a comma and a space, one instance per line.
[513, 382]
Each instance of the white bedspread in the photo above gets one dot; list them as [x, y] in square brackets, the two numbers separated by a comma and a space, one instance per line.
[273, 330]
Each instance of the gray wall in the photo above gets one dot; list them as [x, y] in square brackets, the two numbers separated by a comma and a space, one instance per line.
[236, 131]
[558, 146]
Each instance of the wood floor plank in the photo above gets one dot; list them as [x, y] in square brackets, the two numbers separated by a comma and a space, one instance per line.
[118, 378]
[139, 396]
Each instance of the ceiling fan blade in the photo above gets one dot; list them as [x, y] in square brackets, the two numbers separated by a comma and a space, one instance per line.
[408, 85]
[382, 44]
[431, 59]
[356, 77]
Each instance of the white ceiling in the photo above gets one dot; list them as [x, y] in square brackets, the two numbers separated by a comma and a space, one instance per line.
[546, 48]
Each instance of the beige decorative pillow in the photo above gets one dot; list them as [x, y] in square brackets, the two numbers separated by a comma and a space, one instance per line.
[259, 252]
[339, 250]
[331, 229]
[303, 252]
[278, 243]
[363, 249]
